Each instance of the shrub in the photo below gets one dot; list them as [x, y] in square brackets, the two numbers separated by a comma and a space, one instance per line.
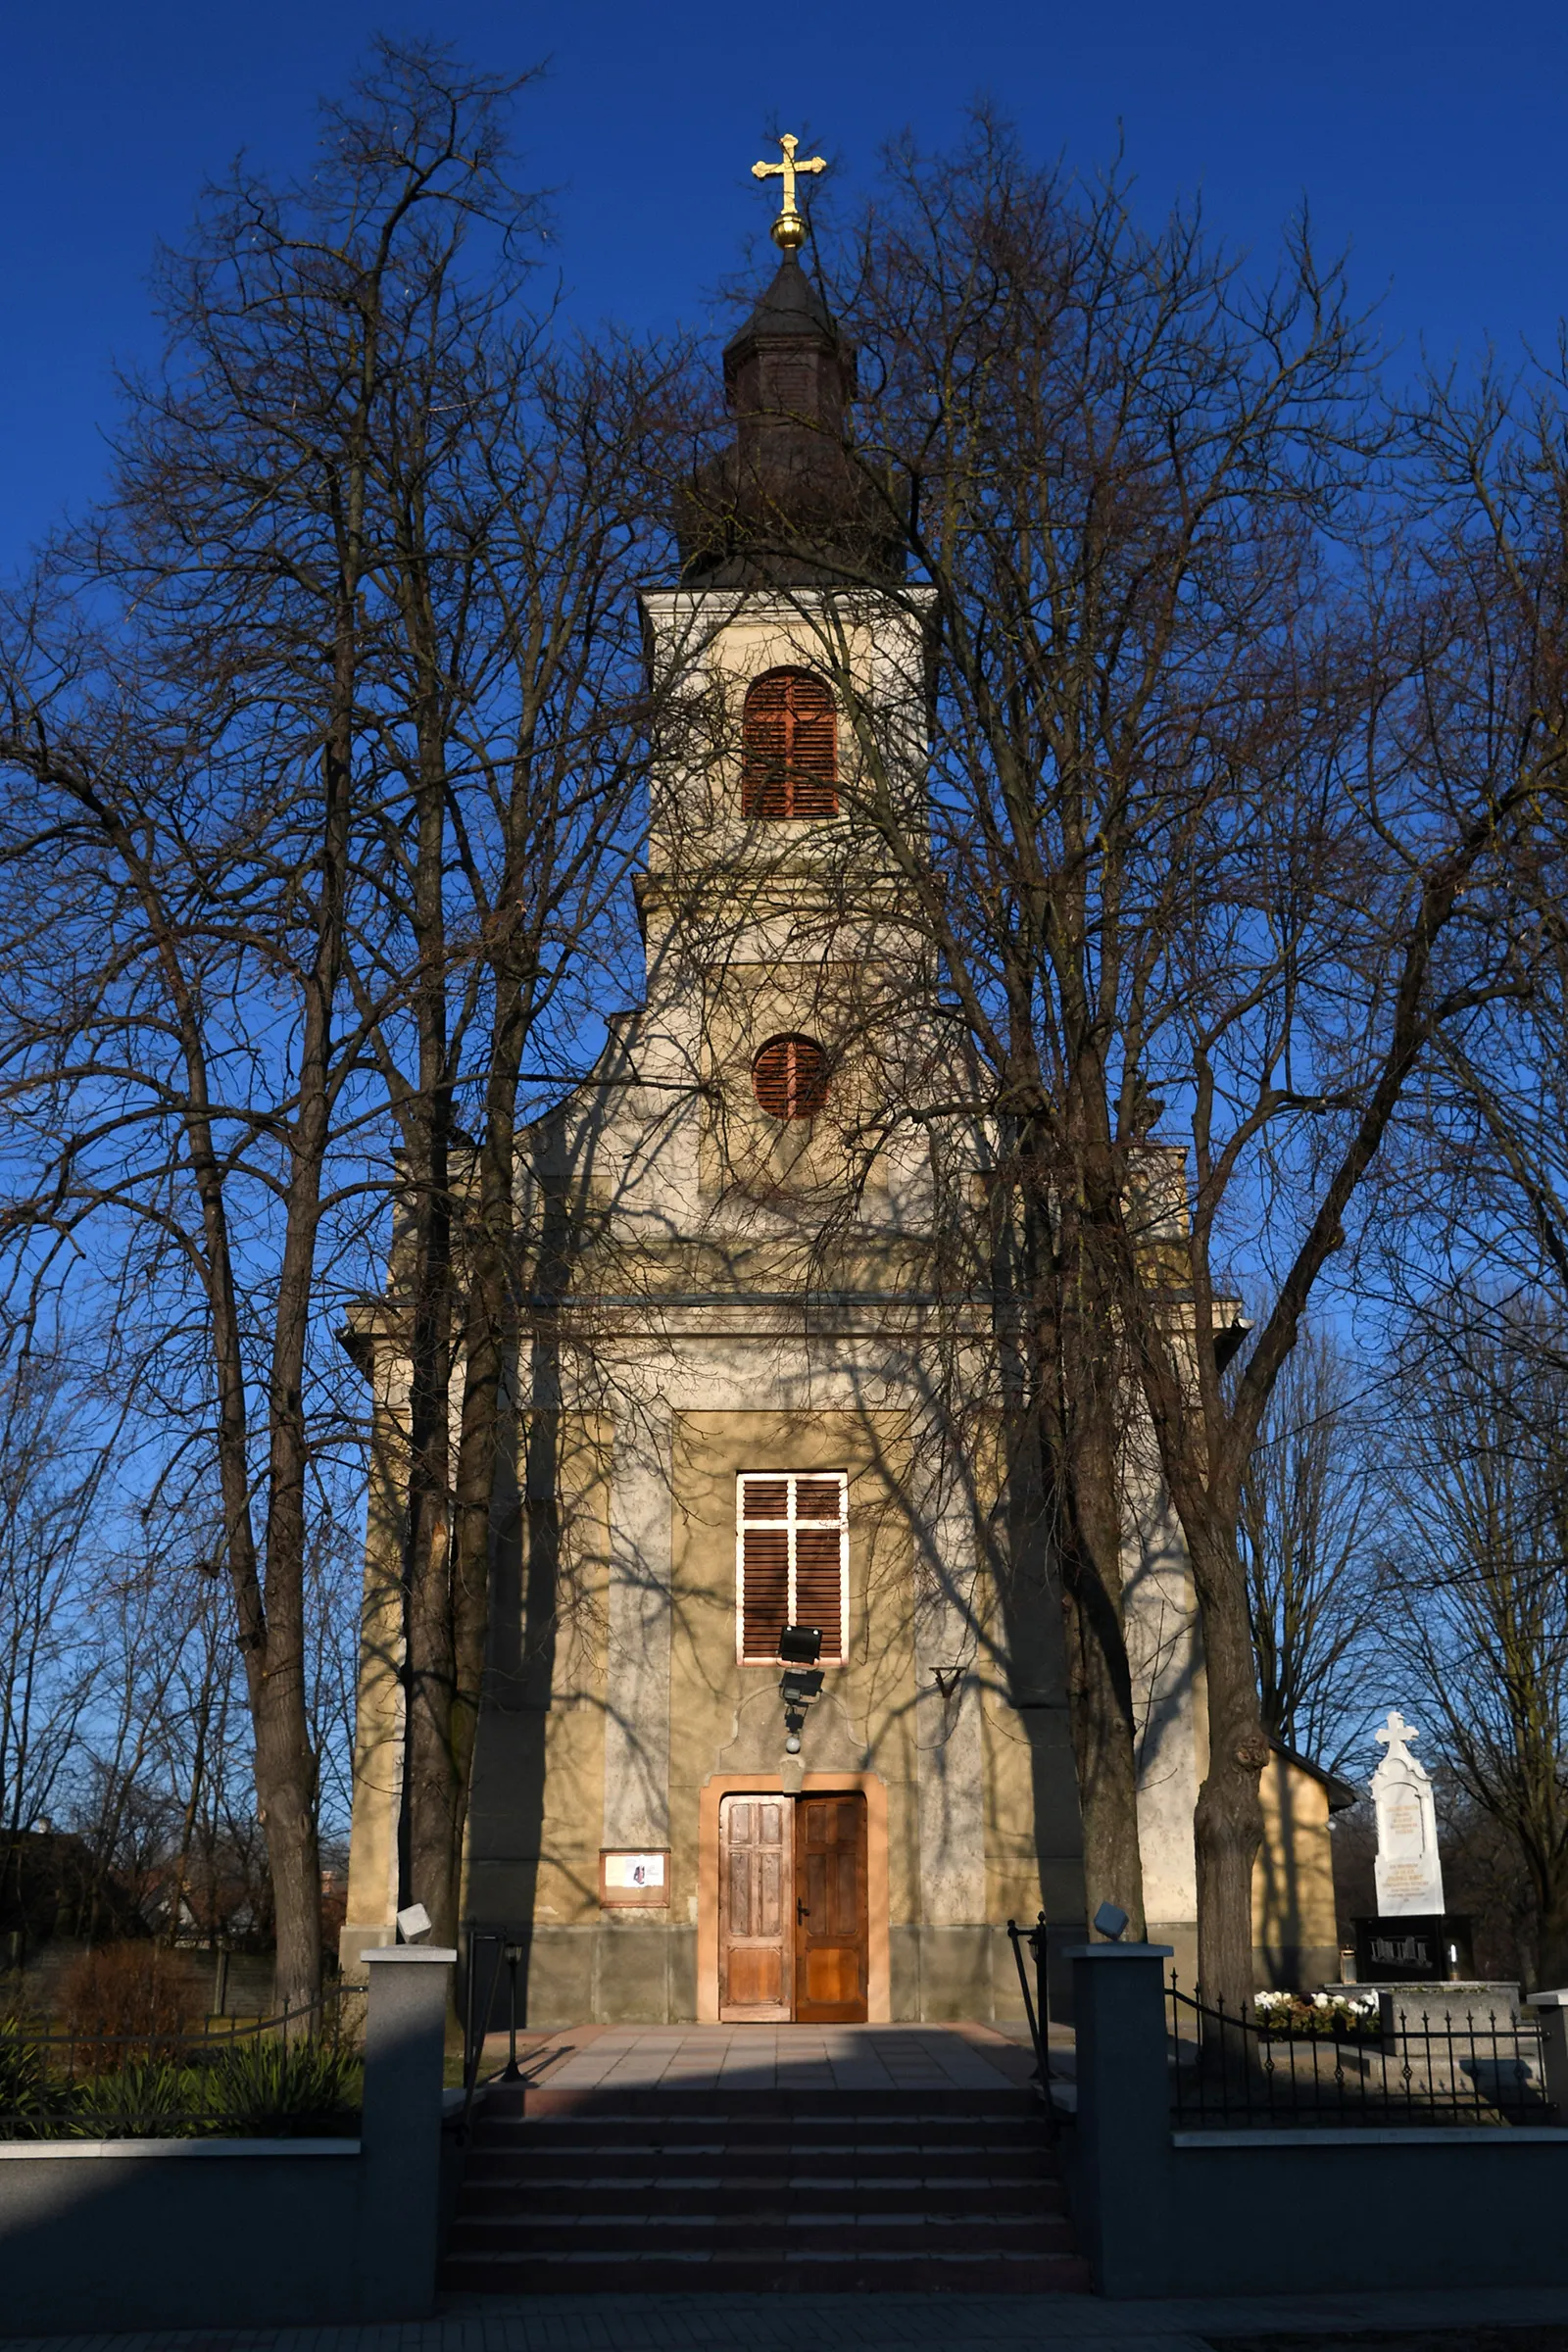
[135, 1993]
[264, 2086]
[147, 2098]
[23, 2086]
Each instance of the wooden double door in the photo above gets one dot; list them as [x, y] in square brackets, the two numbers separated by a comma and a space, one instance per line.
[792, 1908]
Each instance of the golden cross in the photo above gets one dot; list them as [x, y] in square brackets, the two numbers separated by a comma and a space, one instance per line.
[788, 229]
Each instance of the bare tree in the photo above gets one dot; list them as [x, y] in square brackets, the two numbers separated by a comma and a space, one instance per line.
[344, 788]
[514, 741]
[1477, 1595]
[1211, 872]
[1111, 474]
[51, 1479]
[191, 799]
[1305, 1524]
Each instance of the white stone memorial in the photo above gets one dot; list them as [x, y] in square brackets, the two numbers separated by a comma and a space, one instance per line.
[1409, 1876]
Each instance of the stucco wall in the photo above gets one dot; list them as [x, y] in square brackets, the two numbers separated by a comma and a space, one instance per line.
[1294, 1934]
[976, 1798]
[747, 1295]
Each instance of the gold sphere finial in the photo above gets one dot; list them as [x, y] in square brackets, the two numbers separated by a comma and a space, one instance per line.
[788, 229]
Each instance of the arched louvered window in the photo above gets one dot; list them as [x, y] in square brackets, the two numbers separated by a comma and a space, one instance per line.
[788, 1077]
[789, 746]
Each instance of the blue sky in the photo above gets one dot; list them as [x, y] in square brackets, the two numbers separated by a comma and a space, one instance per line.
[1432, 139]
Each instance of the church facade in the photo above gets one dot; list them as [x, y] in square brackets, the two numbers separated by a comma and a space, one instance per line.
[756, 1392]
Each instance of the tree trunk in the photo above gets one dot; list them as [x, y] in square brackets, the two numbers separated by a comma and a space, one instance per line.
[488, 1335]
[1099, 1690]
[271, 1623]
[478, 1446]
[1076, 1375]
[1228, 1825]
[285, 1782]
[430, 1828]
[431, 1824]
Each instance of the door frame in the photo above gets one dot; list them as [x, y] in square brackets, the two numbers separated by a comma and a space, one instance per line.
[873, 1788]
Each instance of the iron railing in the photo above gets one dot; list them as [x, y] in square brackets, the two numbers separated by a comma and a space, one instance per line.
[1402, 2069]
[486, 1952]
[294, 2074]
[1034, 2004]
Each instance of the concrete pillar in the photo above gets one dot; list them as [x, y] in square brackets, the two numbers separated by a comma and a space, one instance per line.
[1122, 2185]
[400, 2137]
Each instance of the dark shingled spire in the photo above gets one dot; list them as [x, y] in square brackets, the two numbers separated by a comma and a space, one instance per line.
[791, 307]
[785, 503]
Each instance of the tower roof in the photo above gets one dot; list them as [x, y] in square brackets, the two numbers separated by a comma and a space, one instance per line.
[785, 503]
[791, 310]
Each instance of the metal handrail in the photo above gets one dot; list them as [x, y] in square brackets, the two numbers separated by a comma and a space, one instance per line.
[1034, 1938]
[473, 2038]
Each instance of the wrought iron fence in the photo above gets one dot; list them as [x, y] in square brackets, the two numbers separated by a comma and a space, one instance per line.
[1400, 2069]
[294, 2075]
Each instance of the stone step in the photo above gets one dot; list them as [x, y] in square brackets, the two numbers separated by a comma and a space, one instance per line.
[803, 2271]
[607, 2099]
[759, 2161]
[781, 2193]
[749, 2236]
[681, 2194]
[523, 2172]
[742, 2132]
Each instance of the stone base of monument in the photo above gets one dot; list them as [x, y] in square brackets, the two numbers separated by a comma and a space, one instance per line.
[1413, 1949]
[1462, 2005]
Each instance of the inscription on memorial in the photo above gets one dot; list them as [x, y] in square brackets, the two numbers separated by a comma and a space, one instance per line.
[1409, 1876]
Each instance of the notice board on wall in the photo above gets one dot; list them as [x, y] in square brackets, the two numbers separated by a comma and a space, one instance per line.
[634, 1880]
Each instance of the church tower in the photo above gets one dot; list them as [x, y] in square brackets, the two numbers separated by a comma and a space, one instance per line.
[753, 1406]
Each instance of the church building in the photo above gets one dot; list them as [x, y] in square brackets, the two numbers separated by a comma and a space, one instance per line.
[775, 1722]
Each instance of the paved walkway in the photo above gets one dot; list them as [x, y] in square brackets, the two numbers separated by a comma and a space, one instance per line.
[847, 2058]
[865, 2324]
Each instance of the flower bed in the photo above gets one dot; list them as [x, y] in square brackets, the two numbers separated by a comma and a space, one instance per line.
[1339, 2017]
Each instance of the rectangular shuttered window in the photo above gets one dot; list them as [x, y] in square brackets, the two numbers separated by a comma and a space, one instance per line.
[792, 1560]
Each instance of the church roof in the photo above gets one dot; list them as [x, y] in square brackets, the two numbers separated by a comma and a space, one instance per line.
[784, 501]
[790, 310]
[1342, 1794]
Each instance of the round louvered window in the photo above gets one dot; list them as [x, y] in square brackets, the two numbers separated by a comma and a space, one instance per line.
[788, 1077]
[789, 746]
